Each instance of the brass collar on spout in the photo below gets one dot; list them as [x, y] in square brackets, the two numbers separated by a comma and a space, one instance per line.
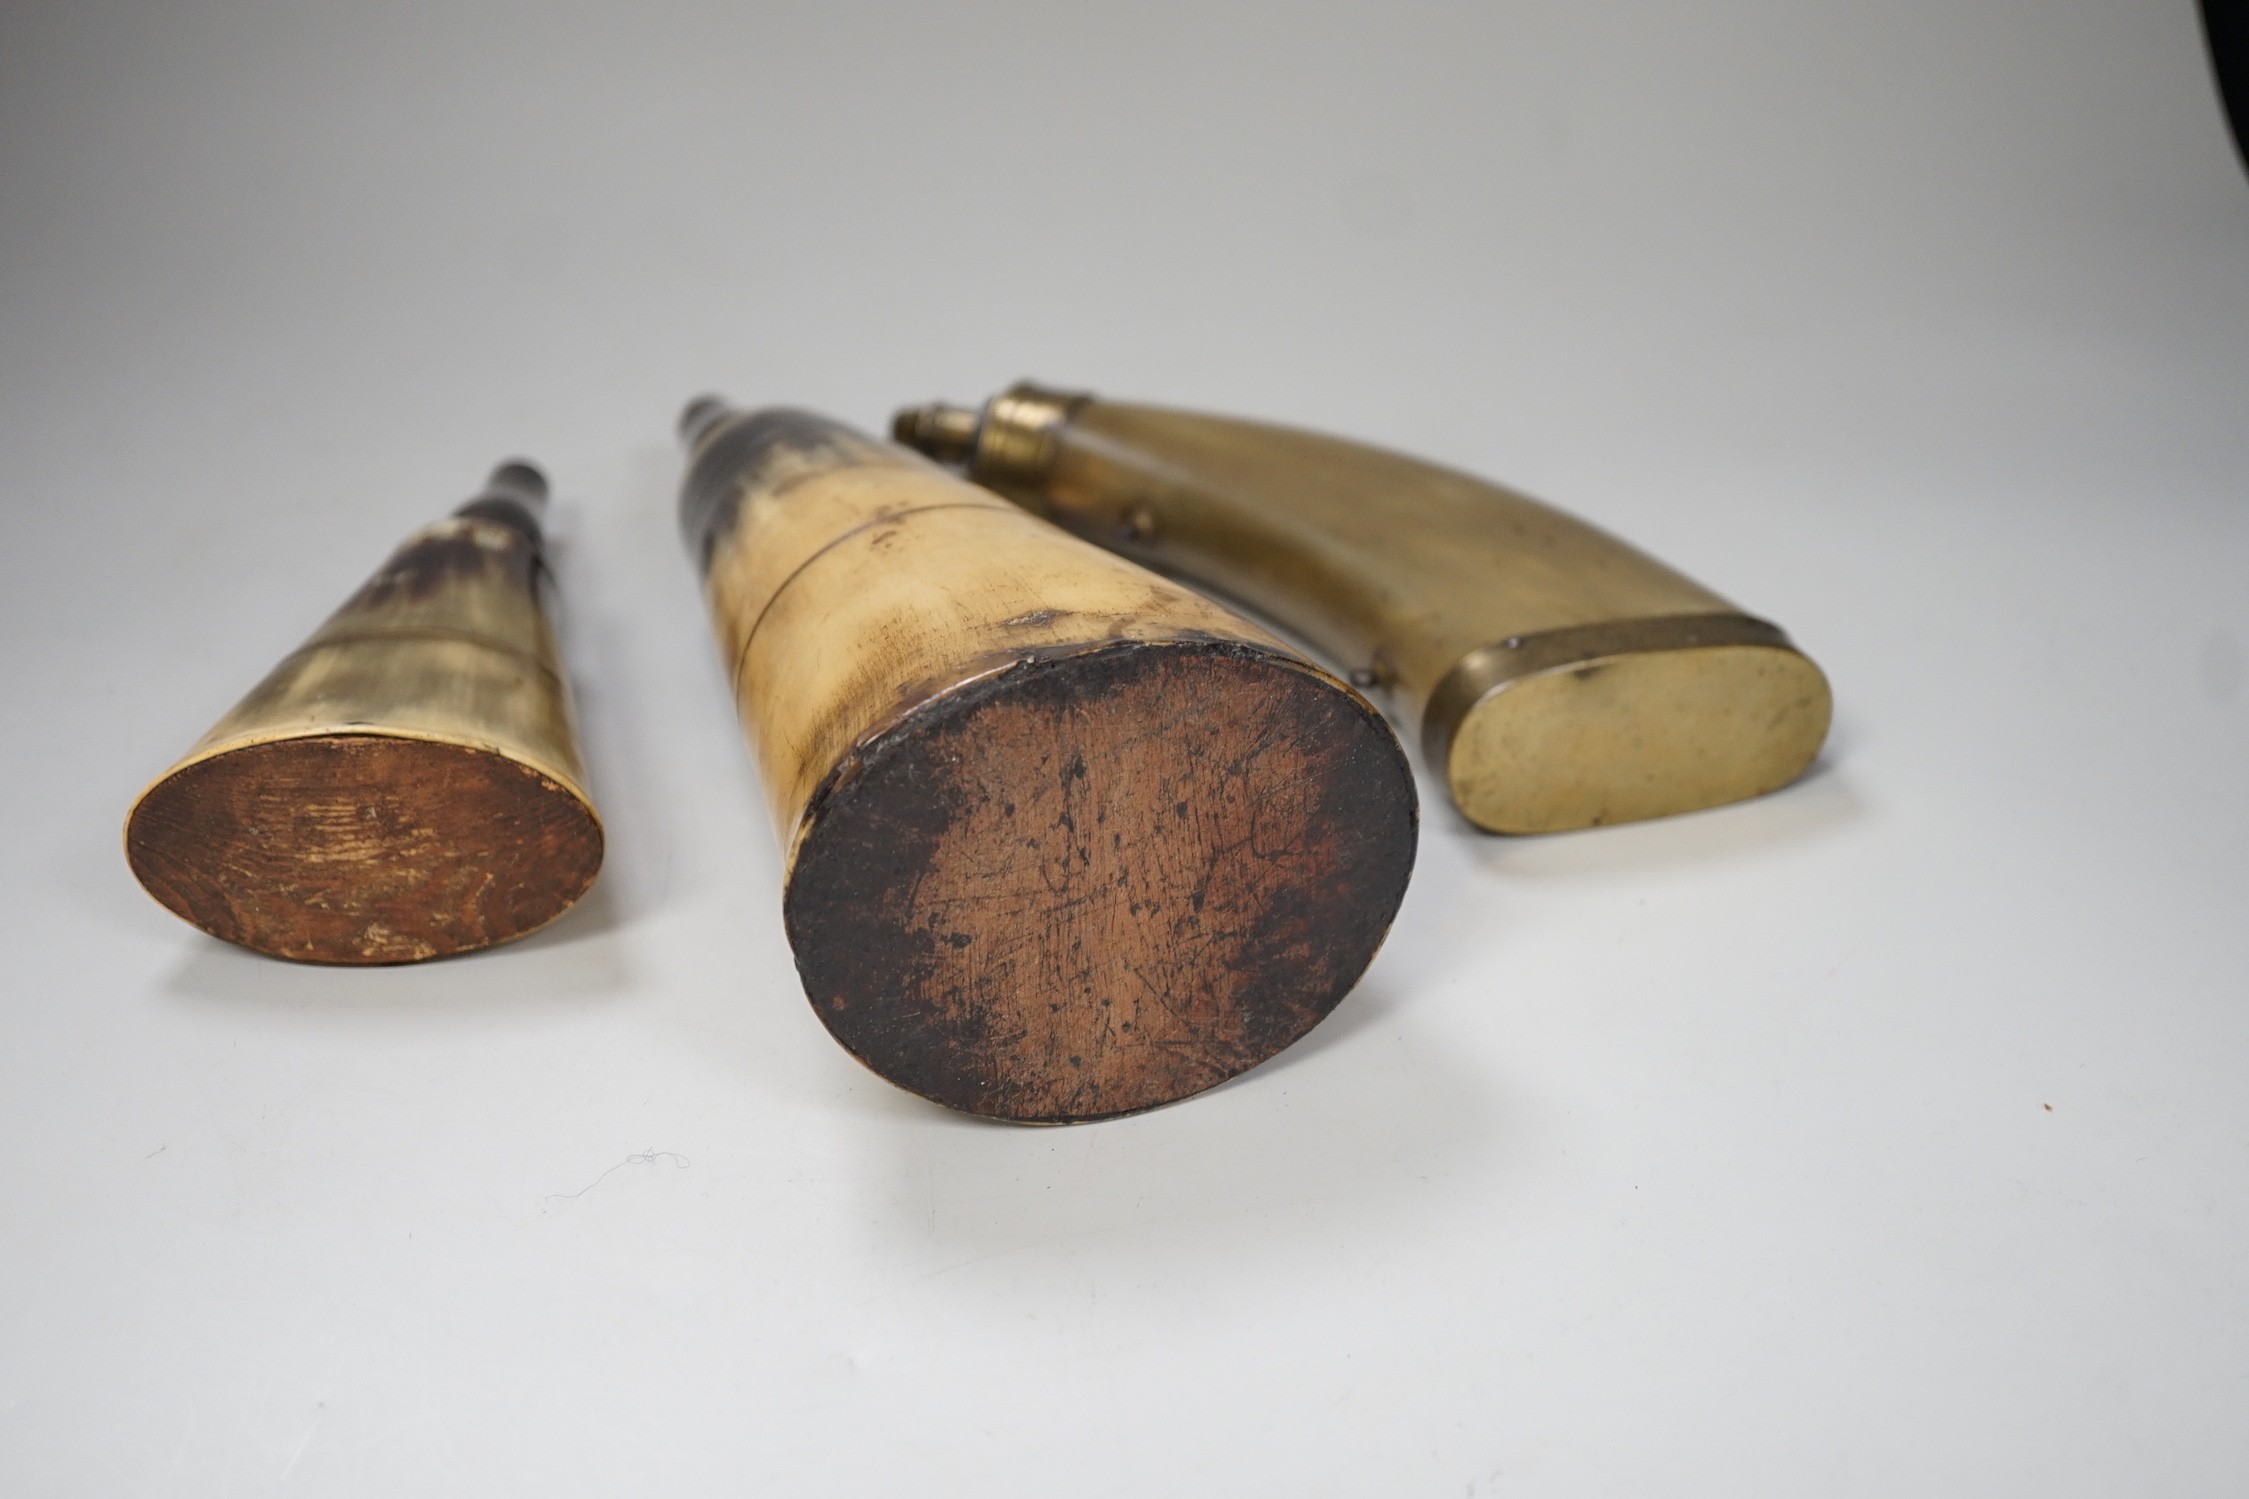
[1014, 439]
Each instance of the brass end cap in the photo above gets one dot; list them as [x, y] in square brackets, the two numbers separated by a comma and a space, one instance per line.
[1624, 721]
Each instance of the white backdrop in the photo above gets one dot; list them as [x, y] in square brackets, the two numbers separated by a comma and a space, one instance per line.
[1884, 1136]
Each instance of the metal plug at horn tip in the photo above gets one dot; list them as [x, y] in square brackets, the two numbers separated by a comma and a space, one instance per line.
[1557, 677]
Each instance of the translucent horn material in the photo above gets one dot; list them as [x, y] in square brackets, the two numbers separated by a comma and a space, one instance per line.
[1558, 678]
[404, 785]
[1063, 839]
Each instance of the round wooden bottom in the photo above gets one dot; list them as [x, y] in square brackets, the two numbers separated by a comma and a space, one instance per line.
[363, 848]
[1098, 882]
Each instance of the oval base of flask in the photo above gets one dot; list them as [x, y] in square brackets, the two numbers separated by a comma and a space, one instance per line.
[1625, 721]
[1092, 883]
[363, 848]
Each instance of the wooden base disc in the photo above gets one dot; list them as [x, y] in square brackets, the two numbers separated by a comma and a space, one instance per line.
[1099, 882]
[363, 848]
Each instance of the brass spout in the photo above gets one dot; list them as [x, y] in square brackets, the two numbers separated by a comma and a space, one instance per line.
[1063, 839]
[406, 784]
[1557, 677]
[945, 433]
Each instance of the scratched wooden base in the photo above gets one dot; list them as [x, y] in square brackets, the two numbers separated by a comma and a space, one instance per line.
[363, 848]
[1091, 885]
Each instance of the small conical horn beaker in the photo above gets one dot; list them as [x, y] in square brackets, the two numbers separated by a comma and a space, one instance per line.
[406, 784]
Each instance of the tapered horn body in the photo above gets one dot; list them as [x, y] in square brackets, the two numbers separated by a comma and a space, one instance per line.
[1557, 677]
[404, 785]
[1063, 839]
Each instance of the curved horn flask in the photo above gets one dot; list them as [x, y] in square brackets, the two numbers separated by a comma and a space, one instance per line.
[1559, 678]
[406, 784]
[1063, 839]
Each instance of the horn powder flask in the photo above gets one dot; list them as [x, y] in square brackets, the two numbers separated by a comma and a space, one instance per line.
[1558, 678]
[1063, 839]
[406, 784]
